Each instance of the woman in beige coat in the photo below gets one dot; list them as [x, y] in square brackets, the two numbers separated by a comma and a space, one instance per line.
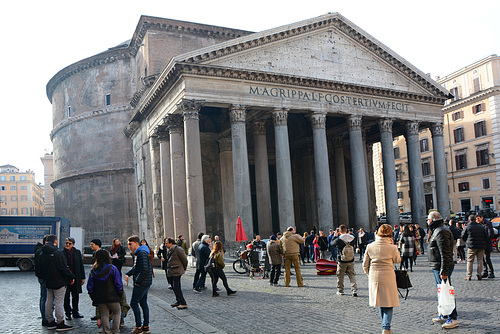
[378, 264]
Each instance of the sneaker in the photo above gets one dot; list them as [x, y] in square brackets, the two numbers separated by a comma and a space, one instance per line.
[450, 323]
[354, 294]
[302, 286]
[145, 329]
[340, 293]
[174, 304]
[439, 319]
[197, 291]
[231, 292]
[203, 288]
[45, 323]
[218, 290]
[484, 275]
[491, 275]
[122, 323]
[77, 315]
[182, 307]
[62, 327]
[137, 330]
[68, 316]
[52, 325]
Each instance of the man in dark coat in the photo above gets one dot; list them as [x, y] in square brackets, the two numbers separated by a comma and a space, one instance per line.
[475, 238]
[489, 245]
[440, 254]
[43, 288]
[421, 231]
[56, 274]
[203, 255]
[75, 264]
[194, 252]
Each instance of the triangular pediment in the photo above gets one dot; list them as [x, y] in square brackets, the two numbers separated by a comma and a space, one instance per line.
[328, 47]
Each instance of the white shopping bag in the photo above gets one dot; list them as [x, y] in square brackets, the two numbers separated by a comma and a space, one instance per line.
[446, 298]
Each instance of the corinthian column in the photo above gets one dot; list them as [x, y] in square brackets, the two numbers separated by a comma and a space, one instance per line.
[322, 172]
[340, 182]
[283, 169]
[441, 174]
[359, 179]
[166, 183]
[227, 185]
[178, 174]
[390, 186]
[263, 191]
[417, 196]
[241, 170]
[194, 176]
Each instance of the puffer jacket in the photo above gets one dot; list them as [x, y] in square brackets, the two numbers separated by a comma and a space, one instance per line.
[475, 236]
[54, 269]
[142, 271]
[176, 261]
[440, 248]
[290, 242]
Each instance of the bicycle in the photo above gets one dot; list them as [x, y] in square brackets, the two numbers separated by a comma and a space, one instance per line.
[242, 264]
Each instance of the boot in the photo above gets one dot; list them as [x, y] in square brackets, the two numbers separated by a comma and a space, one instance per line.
[491, 275]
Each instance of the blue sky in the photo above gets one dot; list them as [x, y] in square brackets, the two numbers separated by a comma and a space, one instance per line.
[42, 37]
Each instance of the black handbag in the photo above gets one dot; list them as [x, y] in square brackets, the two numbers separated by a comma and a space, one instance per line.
[403, 281]
[210, 264]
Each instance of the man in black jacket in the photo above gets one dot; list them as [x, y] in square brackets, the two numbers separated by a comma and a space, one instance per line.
[475, 238]
[489, 245]
[440, 254]
[43, 288]
[56, 274]
[75, 264]
[142, 273]
[203, 254]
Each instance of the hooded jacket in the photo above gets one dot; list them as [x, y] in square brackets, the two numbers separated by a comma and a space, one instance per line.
[54, 269]
[440, 248]
[105, 285]
[142, 271]
[340, 243]
[290, 243]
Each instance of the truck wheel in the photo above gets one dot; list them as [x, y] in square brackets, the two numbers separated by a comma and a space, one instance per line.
[25, 264]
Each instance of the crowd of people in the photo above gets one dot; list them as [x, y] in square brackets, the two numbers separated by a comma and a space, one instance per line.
[61, 274]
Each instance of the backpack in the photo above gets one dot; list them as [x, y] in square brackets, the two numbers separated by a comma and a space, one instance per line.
[347, 254]
[210, 264]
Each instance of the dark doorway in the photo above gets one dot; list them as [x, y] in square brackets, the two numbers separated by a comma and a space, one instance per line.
[429, 202]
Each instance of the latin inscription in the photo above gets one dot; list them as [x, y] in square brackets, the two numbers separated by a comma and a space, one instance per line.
[295, 94]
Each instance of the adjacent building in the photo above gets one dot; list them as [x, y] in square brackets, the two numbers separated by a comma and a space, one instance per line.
[471, 128]
[186, 127]
[20, 195]
[48, 178]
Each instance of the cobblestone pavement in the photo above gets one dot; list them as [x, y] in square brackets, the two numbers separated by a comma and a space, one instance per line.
[260, 308]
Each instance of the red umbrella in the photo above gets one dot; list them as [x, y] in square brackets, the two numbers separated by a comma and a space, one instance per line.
[240, 231]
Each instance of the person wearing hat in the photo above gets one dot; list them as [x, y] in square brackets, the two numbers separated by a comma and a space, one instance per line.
[182, 244]
[95, 245]
[275, 258]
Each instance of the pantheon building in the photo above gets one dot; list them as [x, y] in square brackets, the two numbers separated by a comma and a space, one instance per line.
[187, 127]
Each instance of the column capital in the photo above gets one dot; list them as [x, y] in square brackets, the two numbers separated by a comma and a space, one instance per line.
[385, 124]
[412, 127]
[225, 144]
[318, 120]
[354, 122]
[190, 108]
[174, 123]
[437, 130]
[280, 116]
[238, 113]
[338, 142]
[154, 140]
[259, 127]
[161, 133]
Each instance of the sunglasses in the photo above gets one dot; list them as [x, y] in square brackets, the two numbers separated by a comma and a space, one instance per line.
[69, 243]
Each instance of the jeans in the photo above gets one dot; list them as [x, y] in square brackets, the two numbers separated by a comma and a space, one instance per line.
[386, 316]
[140, 296]
[201, 281]
[438, 280]
[55, 299]
[43, 298]
[334, 253]
[275, 273]
[487, 262]
[176, 286]
[311, 251]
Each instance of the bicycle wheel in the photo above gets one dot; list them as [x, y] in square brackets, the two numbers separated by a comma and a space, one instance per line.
[239, 266]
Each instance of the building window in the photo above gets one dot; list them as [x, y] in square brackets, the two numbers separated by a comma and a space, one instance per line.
[476, 84]
[396, 152]
[459, 135]
[3, 178]
[108, 99]
[24, 197]
[424, 145]
[13, 211]
[24, 211]
[400, 195]
[426, 168]
[455, 91]
[463, 186]
[399, 173]
[482, 157]
[13, 198]
[13, 188]
[24, 188]
[23, 177]
[486, 183]
[13, 178]
[2, 187]
[3, 198]
[480, 129]
[4, 212]
[461, 160]
[456, 116]
[476, 109]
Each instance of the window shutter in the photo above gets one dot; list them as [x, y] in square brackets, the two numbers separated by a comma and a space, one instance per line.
[483, 106]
